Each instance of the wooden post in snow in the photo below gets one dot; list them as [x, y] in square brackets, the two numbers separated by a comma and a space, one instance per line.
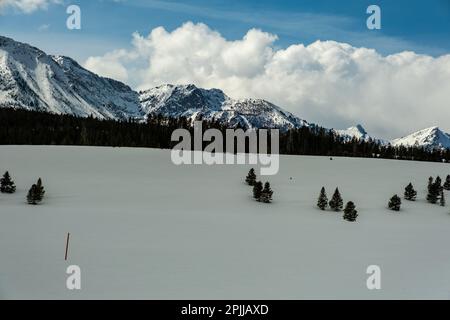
[67, 246]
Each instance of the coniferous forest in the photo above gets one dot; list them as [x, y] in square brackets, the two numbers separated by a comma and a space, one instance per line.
[22, 127]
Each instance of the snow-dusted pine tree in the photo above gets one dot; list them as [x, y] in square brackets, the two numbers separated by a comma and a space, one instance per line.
[36, 193]
[257, 190]
[447, 183]
[350, 213]
[438, 183]
[251, 177]
[31, 196]
[322, 202]
[430, 182]
[40, 190]
[395, 203]
[7, 184]
[410, 193]
[336, 203]
[266, 194]
[434, 191]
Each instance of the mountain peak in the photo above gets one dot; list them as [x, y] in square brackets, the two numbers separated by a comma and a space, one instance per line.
[361, 129]
[31, 79]
[432, 138]
[357, 131]
[213, 104]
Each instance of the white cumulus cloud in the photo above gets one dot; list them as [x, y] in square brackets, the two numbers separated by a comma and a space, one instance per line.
[330, 83]
[26, 6]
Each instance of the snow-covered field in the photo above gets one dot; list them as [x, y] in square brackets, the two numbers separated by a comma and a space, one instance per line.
[142, 227]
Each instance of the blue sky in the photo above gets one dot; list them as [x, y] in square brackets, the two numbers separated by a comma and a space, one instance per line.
[420, 26]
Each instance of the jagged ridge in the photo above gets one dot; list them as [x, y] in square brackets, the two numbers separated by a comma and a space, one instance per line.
[192, 102]
[33, 80]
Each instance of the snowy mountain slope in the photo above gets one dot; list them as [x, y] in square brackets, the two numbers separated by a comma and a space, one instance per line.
[433, 138]
[33, 80]
[360, 133]
[192, 102]
[357, 132]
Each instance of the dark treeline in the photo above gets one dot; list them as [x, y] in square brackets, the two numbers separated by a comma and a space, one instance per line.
[22, 127]
[320, 141]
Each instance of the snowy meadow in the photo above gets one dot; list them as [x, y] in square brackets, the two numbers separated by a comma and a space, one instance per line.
[144, 228]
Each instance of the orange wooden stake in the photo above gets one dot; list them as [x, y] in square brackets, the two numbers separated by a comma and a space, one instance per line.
[67, 245]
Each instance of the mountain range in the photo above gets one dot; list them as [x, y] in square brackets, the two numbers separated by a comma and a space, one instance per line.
[30, 79]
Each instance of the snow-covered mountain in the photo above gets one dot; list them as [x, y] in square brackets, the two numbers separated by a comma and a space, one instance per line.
[33, 80]
[192, 102]
[357, 132]
[433, 138]
[360, 133]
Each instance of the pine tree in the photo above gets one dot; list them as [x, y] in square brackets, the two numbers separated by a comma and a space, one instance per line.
[7, 184]
[438, 183]
[447, 183]
[266, 194]
[410, 193]
[350, 214]
[31, 196]
[442, 199]
[40, 190]
[36, 193]
[257, 190]
[430, 182]
[395, 203]
[322, 202]
[251, 177]
[336, 203]
[434, 191]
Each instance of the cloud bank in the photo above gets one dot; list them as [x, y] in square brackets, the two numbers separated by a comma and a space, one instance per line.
[330, 83]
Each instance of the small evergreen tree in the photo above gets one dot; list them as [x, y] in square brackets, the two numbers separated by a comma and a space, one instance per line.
[36, 193]
[7, 184]
[257, 190]
[266, 194]
[350, 214]
[251, 177]
[31, 196]
[438, 183]
[442, 199]
[322, 202]
[40, 190]
[447, 183]
[410, 193]
[434, 191]
[430, 182]
[395, 203]
[336, 203]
